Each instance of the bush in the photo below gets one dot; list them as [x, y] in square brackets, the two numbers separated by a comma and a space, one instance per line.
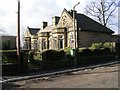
[87, 52]
[106, 51]
[67, 50]
[9, 57]
[53, 55]
[69, 57]
[98, 52]
[53, 59]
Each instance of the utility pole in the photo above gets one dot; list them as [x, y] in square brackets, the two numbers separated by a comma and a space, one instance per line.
[18, 37]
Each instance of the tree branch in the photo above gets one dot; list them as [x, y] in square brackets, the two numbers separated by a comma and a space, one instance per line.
[103, 11]
[110, 14]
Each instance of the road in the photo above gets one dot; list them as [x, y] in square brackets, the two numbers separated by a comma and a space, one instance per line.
[100, 77]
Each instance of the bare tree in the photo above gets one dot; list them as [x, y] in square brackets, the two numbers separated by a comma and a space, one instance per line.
[102, 11]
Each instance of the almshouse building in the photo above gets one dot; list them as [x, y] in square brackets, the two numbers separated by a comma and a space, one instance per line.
[61, 33]
[31, 38]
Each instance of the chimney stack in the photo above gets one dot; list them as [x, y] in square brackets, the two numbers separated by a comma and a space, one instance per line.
[44, 24]
[55, 20]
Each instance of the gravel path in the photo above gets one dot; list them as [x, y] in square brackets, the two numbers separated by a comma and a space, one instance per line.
[101, 77]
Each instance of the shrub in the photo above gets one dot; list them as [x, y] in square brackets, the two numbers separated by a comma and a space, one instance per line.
[53, 55]
[106, 51]
[9, 57]
[98, 52]
[69, 57]
[67, 50]
[87, 52]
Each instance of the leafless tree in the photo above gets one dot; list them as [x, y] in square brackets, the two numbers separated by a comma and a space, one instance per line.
[102, 11]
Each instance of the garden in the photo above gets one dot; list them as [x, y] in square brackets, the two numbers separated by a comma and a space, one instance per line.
[32, 60]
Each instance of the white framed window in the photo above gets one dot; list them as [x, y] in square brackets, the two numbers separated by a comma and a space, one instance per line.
[43, 44]
[54, 43]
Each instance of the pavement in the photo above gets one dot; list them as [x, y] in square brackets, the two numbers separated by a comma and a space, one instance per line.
[31, 75]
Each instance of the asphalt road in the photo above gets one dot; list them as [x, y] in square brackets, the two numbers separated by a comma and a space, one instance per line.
[101, 77]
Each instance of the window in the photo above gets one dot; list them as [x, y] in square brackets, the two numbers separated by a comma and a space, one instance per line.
[43, 44]
[27, 45]
[54, 43]
[61, 42]
[35, 45]
[32, 45]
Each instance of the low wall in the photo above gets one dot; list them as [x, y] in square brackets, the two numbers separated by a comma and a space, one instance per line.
[9, 69]
[94, 59]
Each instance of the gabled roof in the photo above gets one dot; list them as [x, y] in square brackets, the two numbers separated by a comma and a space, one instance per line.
[87, 24]
[47, 29]
[33, 31]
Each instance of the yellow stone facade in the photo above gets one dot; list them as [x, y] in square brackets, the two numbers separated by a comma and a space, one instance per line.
[60, 34]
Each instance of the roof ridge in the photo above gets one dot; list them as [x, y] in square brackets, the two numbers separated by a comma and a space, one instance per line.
[33, 31]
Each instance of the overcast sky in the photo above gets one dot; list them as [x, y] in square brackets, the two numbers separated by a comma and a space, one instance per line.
[33, 12]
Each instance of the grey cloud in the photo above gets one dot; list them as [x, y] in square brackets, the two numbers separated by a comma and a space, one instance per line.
[3, 12]
[40, 11]
[43, 6]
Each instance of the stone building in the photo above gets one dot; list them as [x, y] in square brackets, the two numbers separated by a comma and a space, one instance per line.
[7, 42]
[31, 38]
[60, 34]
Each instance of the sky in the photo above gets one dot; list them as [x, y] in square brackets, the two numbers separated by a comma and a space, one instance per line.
[33, 12]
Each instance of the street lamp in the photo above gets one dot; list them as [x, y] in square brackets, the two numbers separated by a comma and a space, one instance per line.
[75, 33]
[75, 40]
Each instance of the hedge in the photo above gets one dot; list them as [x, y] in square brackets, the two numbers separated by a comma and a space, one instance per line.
[9, 57]
[53, 59]
[10, 63]
[53, 55]
[94, 59]
[59, 59]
